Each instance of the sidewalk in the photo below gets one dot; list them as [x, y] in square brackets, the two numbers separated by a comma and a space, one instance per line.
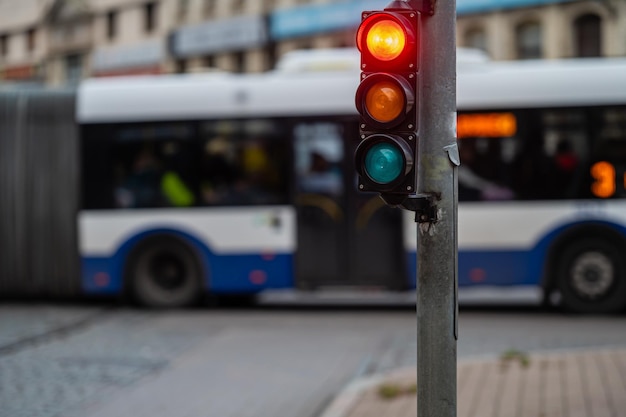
[563, 384]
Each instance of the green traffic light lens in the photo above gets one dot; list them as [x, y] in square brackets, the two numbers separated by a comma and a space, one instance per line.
[384, 163]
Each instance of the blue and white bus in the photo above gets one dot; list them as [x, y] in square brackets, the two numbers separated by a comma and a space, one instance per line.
[237, 184]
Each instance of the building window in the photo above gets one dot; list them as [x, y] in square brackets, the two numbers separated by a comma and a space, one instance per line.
[476, 38]
[528, 41]
[111, 24]
[73, 69]
[209, 61]
[150, 16]
[587, 32]
[208, 8]
[183, 10]
[30, 40]
[270, 5]
[271, 53]
[238, 6]
[4, 45]
[240, 61]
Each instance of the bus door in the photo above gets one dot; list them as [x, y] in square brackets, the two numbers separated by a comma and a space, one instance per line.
[344, 239]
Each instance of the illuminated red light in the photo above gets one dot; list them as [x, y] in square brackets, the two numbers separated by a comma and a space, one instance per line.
[387, 38]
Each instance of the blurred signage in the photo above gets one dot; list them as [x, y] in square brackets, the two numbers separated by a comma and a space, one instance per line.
[23, 72]
[148, 70]
[486, 125]
[238, 33]
[477, 6]
[147, 54]
[318, 18]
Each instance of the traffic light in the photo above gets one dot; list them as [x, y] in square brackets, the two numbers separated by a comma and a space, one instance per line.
[388, 100]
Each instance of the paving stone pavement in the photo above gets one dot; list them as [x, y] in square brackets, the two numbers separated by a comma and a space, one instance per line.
[55, 373]
[589, 383]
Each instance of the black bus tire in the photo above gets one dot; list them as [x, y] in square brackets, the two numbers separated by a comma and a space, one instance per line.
[591, 276]
[164, 272]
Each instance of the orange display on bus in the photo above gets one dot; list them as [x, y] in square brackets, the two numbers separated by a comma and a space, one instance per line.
[487, 125]
[604, 175]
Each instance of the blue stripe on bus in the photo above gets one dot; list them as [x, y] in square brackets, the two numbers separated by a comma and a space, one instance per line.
[509, 267]
[496, 268]
[236, 273]
[489, 267]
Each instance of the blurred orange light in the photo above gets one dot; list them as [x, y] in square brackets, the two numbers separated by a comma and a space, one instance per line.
[488, 125]
[384, 101]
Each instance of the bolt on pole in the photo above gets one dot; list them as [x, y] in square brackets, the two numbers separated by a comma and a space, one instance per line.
[437, 306]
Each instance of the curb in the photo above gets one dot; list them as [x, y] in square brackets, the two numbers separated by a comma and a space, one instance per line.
[589, 372]
[345, 400]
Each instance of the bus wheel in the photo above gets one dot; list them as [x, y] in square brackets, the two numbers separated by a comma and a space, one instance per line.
[592, 276]
[164, 273]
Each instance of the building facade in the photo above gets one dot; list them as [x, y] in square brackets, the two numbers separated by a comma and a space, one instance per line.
[535, 29]
[59, 42]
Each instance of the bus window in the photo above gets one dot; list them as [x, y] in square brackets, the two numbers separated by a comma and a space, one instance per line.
[319, 155]
[609, 153]
[566, 148]
[243, 163]
[153, 166]
[186, 164]
[524, 155]
[476, 182]
[487, 148]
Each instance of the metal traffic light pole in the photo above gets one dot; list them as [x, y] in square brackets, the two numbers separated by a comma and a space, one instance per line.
[408, 64]
[438, 158]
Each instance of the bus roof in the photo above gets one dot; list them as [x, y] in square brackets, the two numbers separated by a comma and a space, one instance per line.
[542, 83]
[481, 84]
[207, 96]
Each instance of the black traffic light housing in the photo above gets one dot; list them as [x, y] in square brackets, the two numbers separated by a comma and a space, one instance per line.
[388, 101]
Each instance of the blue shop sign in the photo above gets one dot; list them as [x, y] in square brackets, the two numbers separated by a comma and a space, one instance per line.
[320, 18]
[478, 6]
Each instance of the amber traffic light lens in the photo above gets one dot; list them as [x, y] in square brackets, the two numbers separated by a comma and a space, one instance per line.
[385, 101]
[385, 40]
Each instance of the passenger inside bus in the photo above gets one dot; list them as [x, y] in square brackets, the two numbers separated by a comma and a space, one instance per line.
[140, 188]
[155, 181]
[566, 169]
[472, 186]
[240, 172]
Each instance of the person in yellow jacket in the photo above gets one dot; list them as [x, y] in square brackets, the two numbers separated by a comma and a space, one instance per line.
[175, 190]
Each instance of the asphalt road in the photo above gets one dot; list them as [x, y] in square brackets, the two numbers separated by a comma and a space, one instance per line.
[88, 361]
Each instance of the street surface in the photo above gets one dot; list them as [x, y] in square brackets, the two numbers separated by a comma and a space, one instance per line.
[105, 360]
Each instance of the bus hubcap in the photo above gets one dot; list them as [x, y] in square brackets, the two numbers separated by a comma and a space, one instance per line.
[168, 271]
[592, 274]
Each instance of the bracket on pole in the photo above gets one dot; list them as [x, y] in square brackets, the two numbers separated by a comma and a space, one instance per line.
[424, 207]
[423, 6]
